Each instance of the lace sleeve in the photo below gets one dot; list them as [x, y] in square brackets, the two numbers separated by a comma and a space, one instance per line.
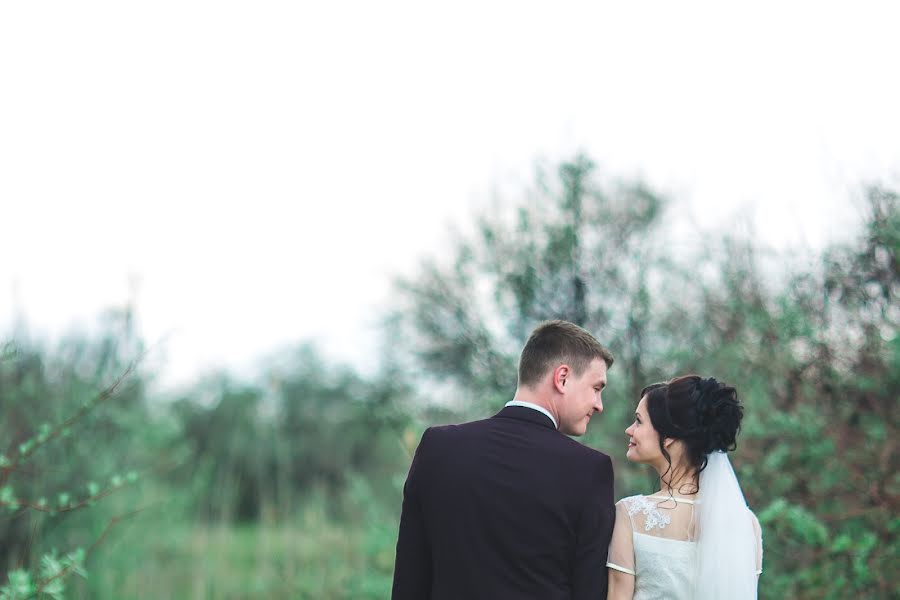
[621, 547]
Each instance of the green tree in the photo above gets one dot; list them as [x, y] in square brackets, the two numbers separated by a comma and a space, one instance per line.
[577, 249]
[310, 426]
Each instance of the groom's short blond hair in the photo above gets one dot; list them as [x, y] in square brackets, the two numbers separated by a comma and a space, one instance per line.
[553, 343]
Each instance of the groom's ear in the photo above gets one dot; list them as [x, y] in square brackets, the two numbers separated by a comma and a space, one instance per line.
[561, 374]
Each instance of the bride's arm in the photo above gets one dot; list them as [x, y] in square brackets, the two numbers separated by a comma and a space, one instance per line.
[621, 586]
[620, 561]
[759, 550]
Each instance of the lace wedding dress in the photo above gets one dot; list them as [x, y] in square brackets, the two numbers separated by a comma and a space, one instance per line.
[655, 541]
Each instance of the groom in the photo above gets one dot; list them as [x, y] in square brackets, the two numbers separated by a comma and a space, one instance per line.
[509, 508]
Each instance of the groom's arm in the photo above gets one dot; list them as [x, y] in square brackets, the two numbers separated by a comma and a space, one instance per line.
[589, 574]
[412, 567]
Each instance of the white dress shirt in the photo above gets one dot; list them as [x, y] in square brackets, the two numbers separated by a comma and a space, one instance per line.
[540, 409]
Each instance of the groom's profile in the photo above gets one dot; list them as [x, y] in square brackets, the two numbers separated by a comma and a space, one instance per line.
[509, 507]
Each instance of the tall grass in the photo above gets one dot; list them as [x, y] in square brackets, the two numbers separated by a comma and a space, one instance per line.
[333, 549]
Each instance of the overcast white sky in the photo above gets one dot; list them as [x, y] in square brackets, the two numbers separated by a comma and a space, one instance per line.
[262, 168]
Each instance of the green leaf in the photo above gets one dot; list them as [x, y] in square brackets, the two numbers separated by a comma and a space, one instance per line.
[55, 589]
[50, 566]
[19, 586]
[842, 543]
[43, 432]
[75, 560]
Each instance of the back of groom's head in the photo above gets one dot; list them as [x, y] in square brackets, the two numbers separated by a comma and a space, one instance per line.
[556, 342]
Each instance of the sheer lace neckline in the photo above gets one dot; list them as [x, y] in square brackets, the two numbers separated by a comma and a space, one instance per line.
[661, 516]
[675, 498]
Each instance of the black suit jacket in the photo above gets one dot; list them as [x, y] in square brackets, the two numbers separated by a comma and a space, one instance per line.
[504, 508]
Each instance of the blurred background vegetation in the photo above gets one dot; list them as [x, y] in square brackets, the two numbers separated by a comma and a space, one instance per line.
[288, 484]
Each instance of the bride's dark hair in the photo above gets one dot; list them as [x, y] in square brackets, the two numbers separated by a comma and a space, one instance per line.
[704, 414]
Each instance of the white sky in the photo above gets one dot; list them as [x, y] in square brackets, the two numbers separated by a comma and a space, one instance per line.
[263, 168]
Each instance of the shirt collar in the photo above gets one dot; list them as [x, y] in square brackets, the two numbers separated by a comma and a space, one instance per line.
[540, 409]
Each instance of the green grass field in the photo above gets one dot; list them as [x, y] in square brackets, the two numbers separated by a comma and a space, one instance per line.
[310, 557]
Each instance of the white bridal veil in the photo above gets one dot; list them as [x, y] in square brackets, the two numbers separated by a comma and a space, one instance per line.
[726, 540]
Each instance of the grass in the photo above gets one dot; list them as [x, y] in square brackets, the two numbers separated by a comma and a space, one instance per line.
[312, 556]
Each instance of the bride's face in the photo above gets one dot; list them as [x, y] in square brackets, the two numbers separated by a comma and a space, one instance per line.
[643, 439]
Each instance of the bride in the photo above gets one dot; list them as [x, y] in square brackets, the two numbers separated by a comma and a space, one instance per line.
[695, 538]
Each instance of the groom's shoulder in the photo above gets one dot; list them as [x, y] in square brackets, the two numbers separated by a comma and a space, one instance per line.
[586, 452]
[577, 447]
[596, 466]
[437, 433]
[453, 430]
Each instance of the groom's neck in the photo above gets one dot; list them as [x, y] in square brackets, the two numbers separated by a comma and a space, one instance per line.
[525, 394]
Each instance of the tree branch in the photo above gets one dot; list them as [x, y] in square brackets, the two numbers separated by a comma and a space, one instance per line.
[57, 431]
[42, 585]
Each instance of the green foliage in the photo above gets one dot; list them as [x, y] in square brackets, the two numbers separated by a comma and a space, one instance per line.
[316, 449]
[19, 586]
[45, 400]
[310, 426]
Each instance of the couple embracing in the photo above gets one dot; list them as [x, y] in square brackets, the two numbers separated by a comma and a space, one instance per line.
[512, 508]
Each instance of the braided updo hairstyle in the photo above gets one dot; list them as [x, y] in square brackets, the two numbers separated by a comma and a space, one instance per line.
[703, 413]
